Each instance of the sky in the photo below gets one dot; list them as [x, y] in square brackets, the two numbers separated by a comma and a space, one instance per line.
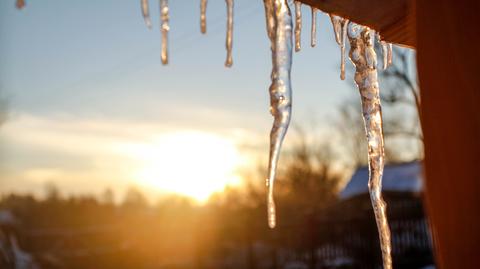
[89, 101]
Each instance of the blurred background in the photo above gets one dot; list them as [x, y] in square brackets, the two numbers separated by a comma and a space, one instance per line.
[110, 160]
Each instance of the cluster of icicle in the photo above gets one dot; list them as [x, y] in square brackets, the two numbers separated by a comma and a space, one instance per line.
[362, 55]
[164, 25]
[165, 28]
[281, 32]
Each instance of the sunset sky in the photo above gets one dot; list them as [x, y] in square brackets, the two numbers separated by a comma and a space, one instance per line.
[90, 106]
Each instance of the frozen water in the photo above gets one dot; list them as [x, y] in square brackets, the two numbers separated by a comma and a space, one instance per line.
[313, 33]
[298, 25]
[165, 28]
[145, 13]
[203, 16]
[280, 90]
[228, 43]
[340, 29]
[344, 24]
[364, 58]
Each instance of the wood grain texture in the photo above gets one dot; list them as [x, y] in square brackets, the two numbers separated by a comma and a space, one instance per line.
[448, 57]
[394, 19]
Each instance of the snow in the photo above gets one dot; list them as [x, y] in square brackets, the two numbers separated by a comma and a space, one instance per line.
[405, 177]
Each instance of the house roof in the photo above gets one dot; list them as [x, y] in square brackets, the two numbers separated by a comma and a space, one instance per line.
[406, 177]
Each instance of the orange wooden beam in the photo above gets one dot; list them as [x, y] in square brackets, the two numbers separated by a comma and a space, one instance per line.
[445, 35]
[448, 57]
[394, 19]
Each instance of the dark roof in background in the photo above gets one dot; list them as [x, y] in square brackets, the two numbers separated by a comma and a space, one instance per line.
[406, 177]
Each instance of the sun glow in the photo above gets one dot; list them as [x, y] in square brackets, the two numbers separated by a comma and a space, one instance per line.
[195, 164]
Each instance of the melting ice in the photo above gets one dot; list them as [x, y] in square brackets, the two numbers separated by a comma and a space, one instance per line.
[164, 18]
[228, 42]
[298, 25]
[313, 33]
[203, 16]
[146, 13]
[386, 52]
[364, 58]
[279, 29]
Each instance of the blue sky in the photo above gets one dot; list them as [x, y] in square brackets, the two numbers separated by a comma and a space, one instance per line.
[78, 74]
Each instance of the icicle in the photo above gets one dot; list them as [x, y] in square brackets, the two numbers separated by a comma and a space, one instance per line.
[340, 28]
[228, 44]
[203, 16]
[342, 48]
[145, 12]
[280, 33]
[362, 55]
[386, 52]
[313, 33]
[337, 27]
[298, 25]
[164, 17]
[390, 54]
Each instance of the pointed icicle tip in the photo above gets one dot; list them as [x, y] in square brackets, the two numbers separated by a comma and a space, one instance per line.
[340, 30]
[228, 42]
[364, 58]
[337, 28]
[344, 25]
[146, 13]
[280, 90]
[272, 222]
[390, 54]
[313, 34]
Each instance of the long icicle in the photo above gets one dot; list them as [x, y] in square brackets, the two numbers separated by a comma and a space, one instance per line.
[228, 43]
[298, 25]
[337, 27]
[385, 54]
[313, 33]
[280, 89]
[203, 16]
[165, 28]
[364, 58]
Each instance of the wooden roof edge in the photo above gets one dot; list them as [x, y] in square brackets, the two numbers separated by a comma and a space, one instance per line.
[394, 19]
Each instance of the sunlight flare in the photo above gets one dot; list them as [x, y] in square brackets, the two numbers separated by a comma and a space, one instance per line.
[190, 163]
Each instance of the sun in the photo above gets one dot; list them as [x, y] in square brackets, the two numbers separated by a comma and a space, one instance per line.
[195, 164]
